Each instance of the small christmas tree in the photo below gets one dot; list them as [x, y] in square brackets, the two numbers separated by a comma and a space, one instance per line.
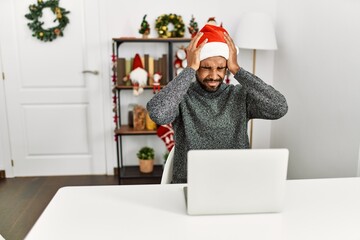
[193, 27]
[144, 27]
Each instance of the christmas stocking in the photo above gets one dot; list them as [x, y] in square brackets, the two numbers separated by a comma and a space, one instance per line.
[166, 133]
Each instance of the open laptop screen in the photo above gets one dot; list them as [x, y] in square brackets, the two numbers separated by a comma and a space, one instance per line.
[229, 181]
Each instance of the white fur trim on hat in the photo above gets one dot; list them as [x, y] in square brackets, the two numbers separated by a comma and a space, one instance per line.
[213, 49]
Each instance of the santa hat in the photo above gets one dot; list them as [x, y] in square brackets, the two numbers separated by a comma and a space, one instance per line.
[216, 44]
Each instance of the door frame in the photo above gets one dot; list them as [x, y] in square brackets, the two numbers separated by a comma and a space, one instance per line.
[5, 149]
[5, 146]
[106, 52]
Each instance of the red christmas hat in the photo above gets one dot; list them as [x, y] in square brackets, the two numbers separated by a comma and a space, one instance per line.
[216, 44]
[137, 62]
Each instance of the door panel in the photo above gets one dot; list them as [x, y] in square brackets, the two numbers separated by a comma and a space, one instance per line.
[50, 132]
[54, 110]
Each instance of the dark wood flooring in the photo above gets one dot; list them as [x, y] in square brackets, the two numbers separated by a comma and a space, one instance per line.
[23, 199]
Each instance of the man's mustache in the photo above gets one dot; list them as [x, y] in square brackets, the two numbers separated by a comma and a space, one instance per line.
[213, 80]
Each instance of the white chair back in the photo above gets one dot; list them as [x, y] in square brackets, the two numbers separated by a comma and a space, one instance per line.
[166, 177]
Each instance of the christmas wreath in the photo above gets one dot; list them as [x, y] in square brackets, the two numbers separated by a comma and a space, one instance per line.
[162, 26]
[36, 26]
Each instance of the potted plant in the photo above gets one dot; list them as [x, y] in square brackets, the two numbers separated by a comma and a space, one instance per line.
[146, 159]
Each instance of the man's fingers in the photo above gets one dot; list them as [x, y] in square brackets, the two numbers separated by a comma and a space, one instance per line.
[229, 42]
[202, 44]
[195, 40]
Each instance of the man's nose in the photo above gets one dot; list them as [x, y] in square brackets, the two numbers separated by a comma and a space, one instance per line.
[213, 74]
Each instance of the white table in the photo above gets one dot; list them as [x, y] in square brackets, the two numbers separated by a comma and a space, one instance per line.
[315, 209]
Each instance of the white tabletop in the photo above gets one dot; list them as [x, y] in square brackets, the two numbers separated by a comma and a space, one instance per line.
[315, 209]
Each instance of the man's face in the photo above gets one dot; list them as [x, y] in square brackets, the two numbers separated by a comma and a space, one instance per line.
[211, 73]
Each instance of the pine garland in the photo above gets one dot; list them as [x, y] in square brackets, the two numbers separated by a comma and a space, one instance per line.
[36, 26]
[164, 20]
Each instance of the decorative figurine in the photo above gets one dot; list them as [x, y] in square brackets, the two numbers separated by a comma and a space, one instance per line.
[193, 27]
[144, 27]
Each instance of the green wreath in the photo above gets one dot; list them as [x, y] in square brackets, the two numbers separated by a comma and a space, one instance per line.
[36, 26]
[164, 20]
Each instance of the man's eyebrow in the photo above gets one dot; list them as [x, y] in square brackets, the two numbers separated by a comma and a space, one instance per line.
[213, 67]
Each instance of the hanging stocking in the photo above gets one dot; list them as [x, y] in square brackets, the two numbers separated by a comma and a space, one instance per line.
[166, 133]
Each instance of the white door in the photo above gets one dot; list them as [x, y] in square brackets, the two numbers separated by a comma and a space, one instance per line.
[54, 110]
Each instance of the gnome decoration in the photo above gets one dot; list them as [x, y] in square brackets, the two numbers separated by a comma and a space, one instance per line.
[138, 76]
[212, 21]
[166, 133]
[156, 85]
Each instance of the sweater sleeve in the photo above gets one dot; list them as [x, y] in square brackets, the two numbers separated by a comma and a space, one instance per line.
[163, 107]
[263, 101]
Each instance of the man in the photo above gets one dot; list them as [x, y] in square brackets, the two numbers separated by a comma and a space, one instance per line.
[207, 113]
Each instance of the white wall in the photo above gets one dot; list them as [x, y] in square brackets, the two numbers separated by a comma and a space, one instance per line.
[317, 67]
[119, 20]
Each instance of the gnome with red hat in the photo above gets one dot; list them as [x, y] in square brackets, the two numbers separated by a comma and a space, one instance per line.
[138, 75]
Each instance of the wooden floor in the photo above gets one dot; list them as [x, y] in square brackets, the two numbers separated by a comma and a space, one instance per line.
[23, 199]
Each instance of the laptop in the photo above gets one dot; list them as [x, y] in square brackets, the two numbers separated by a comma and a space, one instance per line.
[236, 181]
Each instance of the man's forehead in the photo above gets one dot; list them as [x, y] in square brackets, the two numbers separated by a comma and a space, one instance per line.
[213, 62]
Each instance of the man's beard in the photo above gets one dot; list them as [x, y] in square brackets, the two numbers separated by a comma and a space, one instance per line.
[209, 80]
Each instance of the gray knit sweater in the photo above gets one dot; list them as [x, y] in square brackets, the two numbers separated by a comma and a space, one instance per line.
[212, 120]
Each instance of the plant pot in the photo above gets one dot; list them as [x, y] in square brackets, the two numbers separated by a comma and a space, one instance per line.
[146, 166]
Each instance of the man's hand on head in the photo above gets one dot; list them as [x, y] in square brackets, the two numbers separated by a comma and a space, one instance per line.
[193, 52]
[232, 63]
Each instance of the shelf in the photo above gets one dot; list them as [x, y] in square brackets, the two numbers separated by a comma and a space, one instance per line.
[126, 130]
[128, 172]
[131, 174]
[131, 87]
[133, 39]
